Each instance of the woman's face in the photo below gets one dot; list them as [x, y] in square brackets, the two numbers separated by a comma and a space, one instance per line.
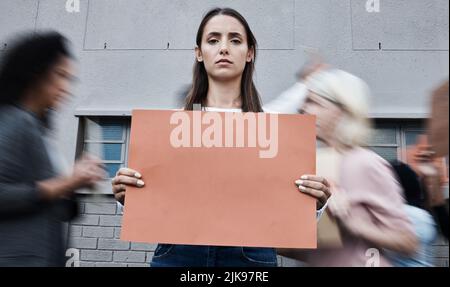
[54, 89]
[224, 48]
[327, 115]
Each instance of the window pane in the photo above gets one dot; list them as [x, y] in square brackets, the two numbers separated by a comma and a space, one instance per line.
[383, 136]
[411, 137]
[112, 131]
[388, 153]
[105, 151]
[104, 129]
[112, 168]
[112, 152]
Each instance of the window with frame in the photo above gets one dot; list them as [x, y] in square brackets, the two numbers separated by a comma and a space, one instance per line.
[391, 139]
[106, 138]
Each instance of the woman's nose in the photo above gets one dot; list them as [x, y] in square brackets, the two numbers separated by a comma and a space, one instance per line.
[224, 49]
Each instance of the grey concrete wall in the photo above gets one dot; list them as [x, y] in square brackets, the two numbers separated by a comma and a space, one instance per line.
[139, 53]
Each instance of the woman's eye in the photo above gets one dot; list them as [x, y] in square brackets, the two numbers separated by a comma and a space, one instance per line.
[60, 74]
[213, 41]
[236, 41]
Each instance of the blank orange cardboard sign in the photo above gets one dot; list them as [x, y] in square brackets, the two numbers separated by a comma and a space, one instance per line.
[220, 196]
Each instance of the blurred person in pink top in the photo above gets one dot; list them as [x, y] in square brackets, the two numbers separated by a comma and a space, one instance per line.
[367, 200]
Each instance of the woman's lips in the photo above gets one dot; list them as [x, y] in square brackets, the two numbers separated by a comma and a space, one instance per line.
[224, 62]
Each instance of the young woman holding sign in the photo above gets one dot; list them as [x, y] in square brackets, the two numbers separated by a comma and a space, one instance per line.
[222, 81]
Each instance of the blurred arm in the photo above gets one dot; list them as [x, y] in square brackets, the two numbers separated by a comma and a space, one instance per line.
[289, 102]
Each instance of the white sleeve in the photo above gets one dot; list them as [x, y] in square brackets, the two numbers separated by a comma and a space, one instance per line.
[289, 101]
[321, 211]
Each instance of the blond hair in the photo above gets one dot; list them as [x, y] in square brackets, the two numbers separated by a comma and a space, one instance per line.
[352, 95]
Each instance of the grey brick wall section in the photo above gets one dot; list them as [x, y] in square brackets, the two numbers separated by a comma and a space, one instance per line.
[109, 264]
[75, 231]
[111, 220]
[98, 231]
[105, 198]
[117, 231]
[143, 246]
[81, 207]
[100, 208]
[87, 264]
[113, 244]
[83, 243]
[129, 256]
[87, 220]
[138, 265]
[96, 255]
[113, 264]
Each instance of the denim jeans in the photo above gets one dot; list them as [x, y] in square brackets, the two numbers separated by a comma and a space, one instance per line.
[168, 255]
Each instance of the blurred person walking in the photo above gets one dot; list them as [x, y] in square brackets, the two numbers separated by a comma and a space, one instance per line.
[36, 197]
[367, 199]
